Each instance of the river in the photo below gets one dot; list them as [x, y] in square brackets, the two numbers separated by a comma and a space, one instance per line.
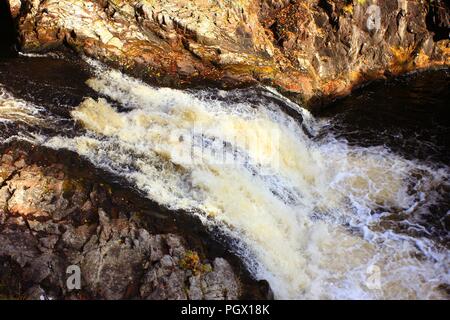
[350, 203]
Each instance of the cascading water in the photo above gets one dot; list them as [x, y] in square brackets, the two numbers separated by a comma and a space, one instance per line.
[306, 210]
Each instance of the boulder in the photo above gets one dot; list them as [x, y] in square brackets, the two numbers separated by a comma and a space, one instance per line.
[54, 217]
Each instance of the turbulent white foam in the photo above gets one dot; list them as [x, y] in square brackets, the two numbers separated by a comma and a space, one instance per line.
[303, 210]
[17, 110]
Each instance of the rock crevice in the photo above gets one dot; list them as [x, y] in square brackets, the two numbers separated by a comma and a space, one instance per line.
[313, 51]
[51, 219]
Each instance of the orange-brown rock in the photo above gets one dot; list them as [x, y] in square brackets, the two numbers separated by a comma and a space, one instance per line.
[313, 50]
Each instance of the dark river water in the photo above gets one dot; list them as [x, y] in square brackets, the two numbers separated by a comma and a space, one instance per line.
[410, 115]
[323, 201]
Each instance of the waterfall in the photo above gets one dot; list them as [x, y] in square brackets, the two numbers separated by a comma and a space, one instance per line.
[304, 212]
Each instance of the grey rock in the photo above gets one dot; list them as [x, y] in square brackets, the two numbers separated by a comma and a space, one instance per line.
[48, 223]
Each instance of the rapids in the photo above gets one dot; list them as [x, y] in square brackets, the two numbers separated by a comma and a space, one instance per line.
[314, 215]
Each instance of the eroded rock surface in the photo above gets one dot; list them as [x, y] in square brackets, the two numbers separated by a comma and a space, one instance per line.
[52, 218]
[313, 50]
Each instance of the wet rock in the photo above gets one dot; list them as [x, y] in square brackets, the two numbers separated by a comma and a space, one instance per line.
[313, 50]
[439, 19]
[53, 217]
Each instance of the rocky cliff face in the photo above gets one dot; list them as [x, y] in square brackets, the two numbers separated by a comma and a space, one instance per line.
[312, 50]
[55, 213]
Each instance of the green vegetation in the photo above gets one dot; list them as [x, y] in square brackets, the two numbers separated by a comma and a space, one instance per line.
[191, 261]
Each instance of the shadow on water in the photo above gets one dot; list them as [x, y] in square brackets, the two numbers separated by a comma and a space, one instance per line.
[59, 85]
[410, 115]
[8, 35]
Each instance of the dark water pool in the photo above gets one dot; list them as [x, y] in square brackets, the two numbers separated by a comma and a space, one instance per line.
[410, 115]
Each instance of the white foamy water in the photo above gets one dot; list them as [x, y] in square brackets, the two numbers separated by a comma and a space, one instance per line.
[306, 213]
[40, 55]
[17, 116]
[17, 110]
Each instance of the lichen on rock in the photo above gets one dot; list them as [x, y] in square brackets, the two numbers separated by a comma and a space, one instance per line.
[53, 216]
[313, 50]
